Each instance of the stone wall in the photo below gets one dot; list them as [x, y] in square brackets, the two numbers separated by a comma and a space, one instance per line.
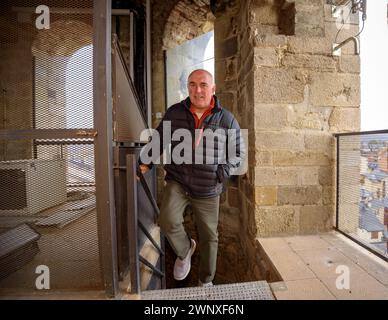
[303, 94]
[276, 72]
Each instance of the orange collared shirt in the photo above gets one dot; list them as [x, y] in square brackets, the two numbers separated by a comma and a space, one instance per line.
[198, 121]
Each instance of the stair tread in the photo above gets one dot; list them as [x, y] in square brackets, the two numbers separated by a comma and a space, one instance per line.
[258, 290]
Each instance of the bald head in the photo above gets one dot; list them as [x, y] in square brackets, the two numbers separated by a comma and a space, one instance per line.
[202, 71]
[201, 88]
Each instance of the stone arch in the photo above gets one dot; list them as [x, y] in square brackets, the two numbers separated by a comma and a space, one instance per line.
[64, 38]
[53, 50]
[187, 20]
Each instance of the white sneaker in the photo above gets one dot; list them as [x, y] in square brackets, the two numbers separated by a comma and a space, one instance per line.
[182, 267]
[206, 284]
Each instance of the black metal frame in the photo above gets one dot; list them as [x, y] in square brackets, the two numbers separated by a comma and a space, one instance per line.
[134, 225]
[106, 219]
[337, 136]
[101, 136]
[359, 133]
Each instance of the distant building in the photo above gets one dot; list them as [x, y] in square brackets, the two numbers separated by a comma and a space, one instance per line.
[383, 159]
[371, 229]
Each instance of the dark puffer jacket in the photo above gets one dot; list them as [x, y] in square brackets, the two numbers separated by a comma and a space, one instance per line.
[203, 180]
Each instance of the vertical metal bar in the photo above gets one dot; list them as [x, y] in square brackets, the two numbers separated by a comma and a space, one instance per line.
[165, 80]
[163, 259]
[148, 62]
[103, 148]
[34, 146]
[337, 185]
[132, 224]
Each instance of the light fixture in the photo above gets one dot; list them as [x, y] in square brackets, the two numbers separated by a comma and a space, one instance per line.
[356, 5]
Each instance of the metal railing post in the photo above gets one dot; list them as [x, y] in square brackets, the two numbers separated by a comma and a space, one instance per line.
[132, 224]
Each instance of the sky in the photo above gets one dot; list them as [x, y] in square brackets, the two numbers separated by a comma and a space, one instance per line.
[79, 89]
[374, 67]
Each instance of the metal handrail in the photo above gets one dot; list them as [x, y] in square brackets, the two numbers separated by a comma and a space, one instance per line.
[134, 223]
[153, 268]
[148, 192]
[148, 235]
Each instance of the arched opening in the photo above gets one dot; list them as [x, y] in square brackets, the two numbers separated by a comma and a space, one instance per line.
[79, 114]
[185, 23]
[63, 82]
[79, 102]
[181, 60]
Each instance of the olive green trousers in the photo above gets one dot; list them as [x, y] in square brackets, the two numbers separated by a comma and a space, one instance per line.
[206, 212]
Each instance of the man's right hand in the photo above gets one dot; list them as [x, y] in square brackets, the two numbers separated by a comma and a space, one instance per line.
[143, 169]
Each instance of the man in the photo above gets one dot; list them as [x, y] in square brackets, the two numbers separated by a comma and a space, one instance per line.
[197, 184]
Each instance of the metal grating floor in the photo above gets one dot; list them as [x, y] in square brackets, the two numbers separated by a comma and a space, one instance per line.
[258, 290]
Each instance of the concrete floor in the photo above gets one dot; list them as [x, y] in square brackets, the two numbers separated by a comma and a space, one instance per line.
[72, 255]
[308, 265]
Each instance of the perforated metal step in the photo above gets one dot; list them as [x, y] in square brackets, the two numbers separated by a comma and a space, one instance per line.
[258, 290]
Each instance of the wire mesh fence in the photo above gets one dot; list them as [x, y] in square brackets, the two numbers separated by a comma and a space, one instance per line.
[362, 199]
[48, 217]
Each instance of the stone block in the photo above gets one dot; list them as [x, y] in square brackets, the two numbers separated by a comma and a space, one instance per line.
[309, 61]
[265, 196]
[333, 89]
[345, 119]
[276, 221]
[263, 158]
[264, 14]
[271, 117]
[303, 29]
[323, 142]
[261, 29]
[315, 3]
[284, 85]
[309, 15]
[280, 141]
[326, 176]
[276, 177]
[349, 64]
[312, 45]
[270, 40]
[266, 57]
[227, 48]
[315, 219]
[300, 158]
[308, 176]
[292, 195]
[328, 196]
